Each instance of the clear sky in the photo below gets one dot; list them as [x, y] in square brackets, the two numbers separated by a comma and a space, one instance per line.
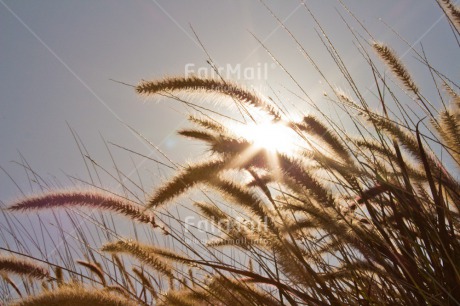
[57, 59]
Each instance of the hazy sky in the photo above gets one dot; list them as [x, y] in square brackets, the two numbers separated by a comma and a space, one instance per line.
[56, 59]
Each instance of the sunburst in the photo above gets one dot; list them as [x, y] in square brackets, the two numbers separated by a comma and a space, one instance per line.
[270, 136]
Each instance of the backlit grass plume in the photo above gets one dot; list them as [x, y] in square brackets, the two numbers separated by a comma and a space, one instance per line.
[392, 60]
[94, 268]
[452, 11]
[89, 198]
[197, 84]
[141, 252]
[27, 268]
[362, 208]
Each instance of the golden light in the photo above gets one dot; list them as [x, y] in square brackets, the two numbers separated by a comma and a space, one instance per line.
[273, 137]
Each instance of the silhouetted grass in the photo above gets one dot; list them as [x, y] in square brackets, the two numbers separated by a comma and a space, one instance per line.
[368, 217]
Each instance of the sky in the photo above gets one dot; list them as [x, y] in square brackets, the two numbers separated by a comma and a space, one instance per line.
[58, 60]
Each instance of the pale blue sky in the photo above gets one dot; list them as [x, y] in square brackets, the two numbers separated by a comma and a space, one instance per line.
[56, 59]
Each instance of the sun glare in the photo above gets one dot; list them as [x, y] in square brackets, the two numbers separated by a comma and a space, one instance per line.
[270, 136]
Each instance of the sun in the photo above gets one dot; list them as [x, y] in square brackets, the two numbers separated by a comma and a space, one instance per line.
[273, 137]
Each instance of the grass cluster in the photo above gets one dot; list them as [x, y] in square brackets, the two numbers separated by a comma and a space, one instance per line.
[369, 217]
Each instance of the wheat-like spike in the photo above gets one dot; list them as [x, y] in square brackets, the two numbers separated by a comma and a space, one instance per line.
[455, 98]
[208, 124]
[211, 211]
[289, 263]
[197, 134]
[449, 130]
[293, 168]
[94, 268]
[408, 141]
[196, 84]
[348, 170]
[143, 253]
[89, 198]
[452, 11]
[345, 99]
[145, 282]
[230, 146]
[312, 125]
[190, 177]
[451, 127]
[391, 59]
[239, 195]
[22, 267]
[377, 148]
[75, 296]
[171, 255]
[221, 242]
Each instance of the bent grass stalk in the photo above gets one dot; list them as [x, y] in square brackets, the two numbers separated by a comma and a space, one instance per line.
[90, 198]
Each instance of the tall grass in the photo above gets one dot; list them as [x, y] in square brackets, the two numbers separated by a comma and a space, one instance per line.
[366, 215]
